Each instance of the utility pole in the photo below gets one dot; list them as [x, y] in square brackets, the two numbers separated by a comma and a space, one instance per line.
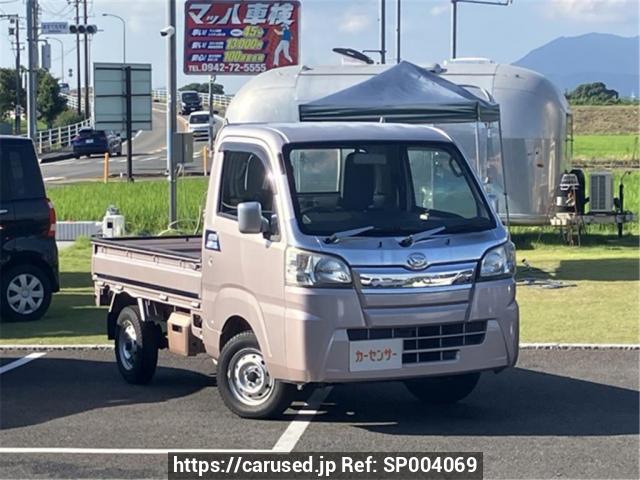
[172, 123]
[383, 28]
[32, 72]
[398, 31]
[454, 28]
[87, 73]
[212, 80]
[15, 30]
[78, 69]
[18, 113]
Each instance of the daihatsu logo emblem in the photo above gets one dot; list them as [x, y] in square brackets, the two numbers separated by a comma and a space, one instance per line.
[417, 261]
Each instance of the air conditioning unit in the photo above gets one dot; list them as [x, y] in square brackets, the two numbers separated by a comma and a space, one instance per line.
[601, 192]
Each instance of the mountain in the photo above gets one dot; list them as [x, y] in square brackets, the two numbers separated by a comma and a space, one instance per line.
[594, 57]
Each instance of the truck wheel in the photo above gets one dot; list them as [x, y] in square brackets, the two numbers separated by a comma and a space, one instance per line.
[443, 390]
[136, 347]
[244, 383]
[26, 293]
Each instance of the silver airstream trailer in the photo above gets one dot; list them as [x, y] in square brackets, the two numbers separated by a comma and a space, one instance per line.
[536, 119]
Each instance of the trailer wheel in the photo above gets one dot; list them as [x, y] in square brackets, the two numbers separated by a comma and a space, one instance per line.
[136, 347]
[443, 390]
[244, 382]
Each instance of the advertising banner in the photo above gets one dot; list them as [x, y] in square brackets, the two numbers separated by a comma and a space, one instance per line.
[235, 37]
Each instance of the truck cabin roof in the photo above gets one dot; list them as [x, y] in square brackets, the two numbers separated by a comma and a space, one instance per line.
[279, 134]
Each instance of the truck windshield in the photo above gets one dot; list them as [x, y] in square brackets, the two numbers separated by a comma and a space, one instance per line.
[397, 189]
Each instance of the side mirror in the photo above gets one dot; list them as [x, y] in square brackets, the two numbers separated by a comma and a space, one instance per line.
[250, 219]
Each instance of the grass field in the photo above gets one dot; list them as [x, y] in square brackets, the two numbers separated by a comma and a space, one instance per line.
[145, 204]
[73, 316]
[606, 147]
[602, 306]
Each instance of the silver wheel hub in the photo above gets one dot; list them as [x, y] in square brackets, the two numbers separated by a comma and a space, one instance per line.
[248, 377]
[25, 294]
[127, 344]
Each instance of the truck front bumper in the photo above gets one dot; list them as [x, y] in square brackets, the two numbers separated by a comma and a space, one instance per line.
[318, 330]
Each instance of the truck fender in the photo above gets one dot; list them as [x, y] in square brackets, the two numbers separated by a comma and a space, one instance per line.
[118, 302]
[233, 303]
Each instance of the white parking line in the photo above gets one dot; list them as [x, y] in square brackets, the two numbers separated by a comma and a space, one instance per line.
[21, 361]
[149, 159]
[289, 439]
[53, 179]
[121, 451]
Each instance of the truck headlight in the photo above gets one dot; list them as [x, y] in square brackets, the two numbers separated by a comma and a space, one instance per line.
[499, 262]
[308, 269]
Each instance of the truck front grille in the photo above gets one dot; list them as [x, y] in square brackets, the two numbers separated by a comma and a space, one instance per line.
[429, 343]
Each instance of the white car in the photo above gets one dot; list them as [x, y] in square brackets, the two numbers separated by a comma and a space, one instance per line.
[199, 125]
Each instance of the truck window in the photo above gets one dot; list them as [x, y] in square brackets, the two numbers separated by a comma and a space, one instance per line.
[436, 183]
[21, 177]
[244, 179]
[317, 171]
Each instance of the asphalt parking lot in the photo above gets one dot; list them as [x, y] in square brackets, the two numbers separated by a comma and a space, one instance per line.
[569, 414]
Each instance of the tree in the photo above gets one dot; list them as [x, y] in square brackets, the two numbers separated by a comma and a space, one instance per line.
[49, 101]
[8, 91]
[593, 94]
[68, 117]
[204, 88]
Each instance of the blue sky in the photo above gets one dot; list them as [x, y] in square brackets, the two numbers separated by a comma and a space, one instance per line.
[503, 34]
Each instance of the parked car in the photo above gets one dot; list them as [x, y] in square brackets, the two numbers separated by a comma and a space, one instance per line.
[28, 251]
[331, 253]
[199, 125]
[89, 142]
[189, 102]
[64, 88]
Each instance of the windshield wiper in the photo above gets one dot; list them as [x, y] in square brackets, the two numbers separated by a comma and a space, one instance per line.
[419, 237]
[336, 237]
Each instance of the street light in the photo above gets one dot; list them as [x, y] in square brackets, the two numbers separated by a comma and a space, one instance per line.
[61, 56]
[124, 34]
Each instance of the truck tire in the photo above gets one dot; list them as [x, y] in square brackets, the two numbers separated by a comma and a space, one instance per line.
[136, 346]
[244, 382]
[26, 293]
[443, 390]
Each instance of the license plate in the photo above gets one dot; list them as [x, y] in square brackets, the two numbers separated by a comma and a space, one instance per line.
[375, 355]
[89, 140]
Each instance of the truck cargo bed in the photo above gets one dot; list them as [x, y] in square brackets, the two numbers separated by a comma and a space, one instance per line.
[166, 269]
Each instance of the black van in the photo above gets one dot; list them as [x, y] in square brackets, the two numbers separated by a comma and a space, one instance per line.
[28, 251]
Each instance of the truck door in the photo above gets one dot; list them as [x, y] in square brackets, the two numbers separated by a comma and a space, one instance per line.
[243, 274]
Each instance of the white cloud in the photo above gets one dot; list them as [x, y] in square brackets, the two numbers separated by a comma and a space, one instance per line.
[440, 9]
[592, 11]
[354, 22]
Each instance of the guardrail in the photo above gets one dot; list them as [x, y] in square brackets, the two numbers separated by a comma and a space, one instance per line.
[58, 138]
[72, 101]
[160, 95]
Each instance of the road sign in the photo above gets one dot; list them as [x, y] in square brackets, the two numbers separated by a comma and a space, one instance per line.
[122, 101]
[110, 96]
[236, 37]
[54, 28]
